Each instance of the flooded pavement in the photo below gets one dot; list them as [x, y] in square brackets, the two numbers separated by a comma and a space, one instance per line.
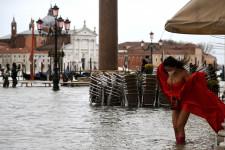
[37, 118]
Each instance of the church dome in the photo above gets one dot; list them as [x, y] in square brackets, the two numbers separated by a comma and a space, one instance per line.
[49, 20]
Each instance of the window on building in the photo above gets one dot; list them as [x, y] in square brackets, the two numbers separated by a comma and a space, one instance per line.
[133, 59]
[129, 59]
[23, 60]
[156, 59]
[23, 56]
[122, 59]
[19, 56]
[137, 59]
[137, 67]
[141, 58]
[44, 41]
[43, 60]
[179, 58]
[14, 56]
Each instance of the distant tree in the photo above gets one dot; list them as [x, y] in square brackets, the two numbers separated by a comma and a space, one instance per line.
[172, 42]
[206, 48]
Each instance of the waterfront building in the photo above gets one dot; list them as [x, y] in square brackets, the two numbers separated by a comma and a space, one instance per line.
[130, 54]
[83, 49]
[16, 47]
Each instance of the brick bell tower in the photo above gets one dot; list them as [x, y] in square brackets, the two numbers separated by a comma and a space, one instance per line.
[13, 28]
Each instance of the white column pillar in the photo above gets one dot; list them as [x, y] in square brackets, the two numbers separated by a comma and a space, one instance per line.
[89, 54]
[74, 47]
[79, 55]
[95, 59]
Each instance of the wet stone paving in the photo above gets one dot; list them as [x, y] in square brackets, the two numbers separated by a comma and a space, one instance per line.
[37, 118]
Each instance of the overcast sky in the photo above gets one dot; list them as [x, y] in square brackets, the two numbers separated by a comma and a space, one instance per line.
[136, 18]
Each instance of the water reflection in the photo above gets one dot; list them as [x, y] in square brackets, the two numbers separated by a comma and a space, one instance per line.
[39, 118]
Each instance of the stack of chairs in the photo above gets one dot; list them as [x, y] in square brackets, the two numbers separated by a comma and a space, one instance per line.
[131, 90]
[162, 100]
[106, 84]
[113, 91]
[149, 89]
[119, 86]
[95, 90]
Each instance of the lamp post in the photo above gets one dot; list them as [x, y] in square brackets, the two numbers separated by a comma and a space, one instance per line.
[57, 28]
[151, 46]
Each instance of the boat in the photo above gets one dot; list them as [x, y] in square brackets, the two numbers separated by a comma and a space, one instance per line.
[27, 76]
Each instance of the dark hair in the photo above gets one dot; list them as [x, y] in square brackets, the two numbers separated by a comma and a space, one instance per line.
[14, 64]
[146, 56]
[172, 62]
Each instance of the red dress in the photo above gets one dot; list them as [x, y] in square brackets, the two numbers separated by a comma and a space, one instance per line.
[195, 97]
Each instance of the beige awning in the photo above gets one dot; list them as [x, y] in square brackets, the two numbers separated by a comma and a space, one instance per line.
[199, 17]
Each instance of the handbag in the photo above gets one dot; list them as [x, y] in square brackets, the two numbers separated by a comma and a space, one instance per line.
[175, 101]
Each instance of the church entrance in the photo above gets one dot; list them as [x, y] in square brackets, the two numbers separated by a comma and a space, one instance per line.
[83, 63]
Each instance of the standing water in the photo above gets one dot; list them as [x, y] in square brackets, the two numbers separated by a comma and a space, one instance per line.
[37, 118]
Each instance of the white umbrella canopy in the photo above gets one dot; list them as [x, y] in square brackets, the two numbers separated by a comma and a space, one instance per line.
[199, 17]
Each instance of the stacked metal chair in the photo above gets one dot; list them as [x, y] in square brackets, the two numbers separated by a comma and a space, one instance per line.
[106, 84]
[113, 94]
[131, 90]
[162, 100]
[149, 89]
[118, 86]
[95, 90]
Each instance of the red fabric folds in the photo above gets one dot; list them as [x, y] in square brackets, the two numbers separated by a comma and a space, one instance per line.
[195, 97]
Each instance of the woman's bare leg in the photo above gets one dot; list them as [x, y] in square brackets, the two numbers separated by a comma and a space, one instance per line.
[175, 116]
[181, 122]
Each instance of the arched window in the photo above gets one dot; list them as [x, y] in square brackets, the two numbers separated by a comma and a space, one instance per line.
[137, 59]
[133, 58]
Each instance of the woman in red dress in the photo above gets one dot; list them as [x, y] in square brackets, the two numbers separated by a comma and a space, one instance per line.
[193, 94]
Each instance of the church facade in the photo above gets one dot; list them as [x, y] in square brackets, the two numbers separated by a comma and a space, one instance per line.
[82, 52]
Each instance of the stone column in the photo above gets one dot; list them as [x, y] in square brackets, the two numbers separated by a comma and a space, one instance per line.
[108, 35]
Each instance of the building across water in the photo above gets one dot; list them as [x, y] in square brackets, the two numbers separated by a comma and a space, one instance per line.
[79, 46]
[131, 54]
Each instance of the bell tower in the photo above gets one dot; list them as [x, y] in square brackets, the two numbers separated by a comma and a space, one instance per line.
[13, 28]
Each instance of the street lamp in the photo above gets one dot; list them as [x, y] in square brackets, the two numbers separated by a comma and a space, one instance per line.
[151, 45]
[57, 28]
